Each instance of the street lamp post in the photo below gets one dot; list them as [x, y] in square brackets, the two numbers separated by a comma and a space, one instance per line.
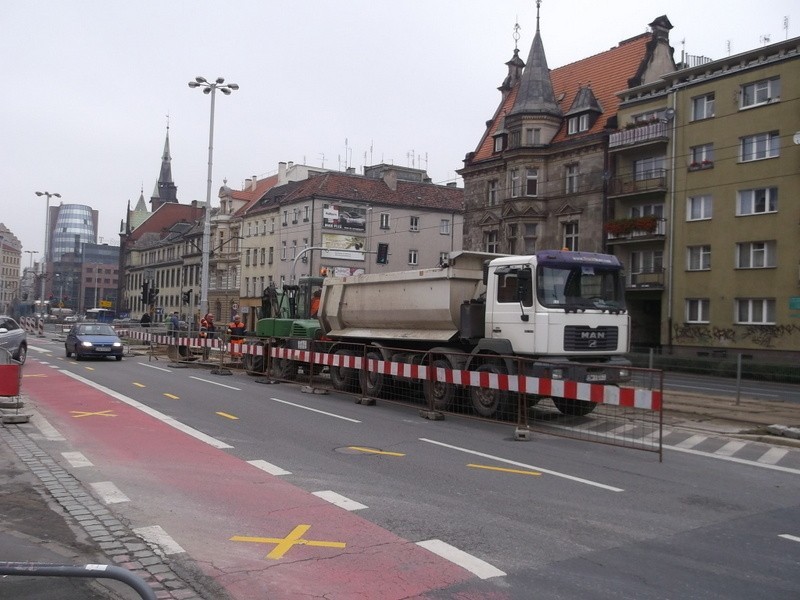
[46, 241]
[31, 252]
[209, 88]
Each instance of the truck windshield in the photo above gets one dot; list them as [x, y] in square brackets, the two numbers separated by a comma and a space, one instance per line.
[580, 287]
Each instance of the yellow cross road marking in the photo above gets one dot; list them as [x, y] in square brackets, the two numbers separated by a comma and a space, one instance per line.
[173, 396]
[139, 384]
[373, 451]
[517, 471]
[283, 545]
[36, 375]
[81, 413]
[227, 416]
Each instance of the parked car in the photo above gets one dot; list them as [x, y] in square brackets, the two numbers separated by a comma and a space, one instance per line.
[13, 338]
[93, 339]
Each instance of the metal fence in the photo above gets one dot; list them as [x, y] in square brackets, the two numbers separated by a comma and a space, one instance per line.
[494, 388]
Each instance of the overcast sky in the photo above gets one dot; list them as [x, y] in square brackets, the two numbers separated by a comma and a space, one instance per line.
[89, 85]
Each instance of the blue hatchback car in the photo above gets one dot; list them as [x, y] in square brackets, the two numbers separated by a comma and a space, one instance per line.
[93, 339]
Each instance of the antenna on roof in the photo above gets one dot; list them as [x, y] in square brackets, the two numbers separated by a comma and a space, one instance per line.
[538, 4]
[764, 39]
[786, 27]
[322, 154]
[516, 33]
[728, 46]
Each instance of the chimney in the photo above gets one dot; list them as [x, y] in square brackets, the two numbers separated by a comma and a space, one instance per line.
[254, 182]
[281, 173]
[350, 170]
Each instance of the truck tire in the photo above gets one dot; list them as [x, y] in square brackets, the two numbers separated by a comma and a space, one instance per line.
[371, 383]
[487, 402]
[342, 378]
[254, 364]
[574, 408]
[439, 395]
[283, 368]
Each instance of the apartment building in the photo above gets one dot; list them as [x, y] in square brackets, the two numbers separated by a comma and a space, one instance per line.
[705, 176]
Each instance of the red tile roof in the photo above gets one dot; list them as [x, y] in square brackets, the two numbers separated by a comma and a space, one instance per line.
[251, 196]
[164, 217]
[607, 73]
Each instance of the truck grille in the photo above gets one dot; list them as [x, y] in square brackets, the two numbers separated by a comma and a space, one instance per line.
[579, 338]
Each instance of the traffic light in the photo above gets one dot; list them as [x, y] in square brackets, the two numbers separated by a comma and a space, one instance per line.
[145, 292]
[383, 253]
[187, 296]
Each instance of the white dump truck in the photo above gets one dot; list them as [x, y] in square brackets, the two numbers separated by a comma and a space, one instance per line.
[564, 312]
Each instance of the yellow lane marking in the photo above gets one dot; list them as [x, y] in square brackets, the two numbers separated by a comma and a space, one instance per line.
[173, 396]
[517, 471]
[227, 416]
[89, 368]
[139, 384]
[283, 545]
[373, 451]
[82, 413]
[36, 375]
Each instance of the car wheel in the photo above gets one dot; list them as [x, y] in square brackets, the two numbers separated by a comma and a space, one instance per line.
[22, 354]
[66, 351]
[119, 357]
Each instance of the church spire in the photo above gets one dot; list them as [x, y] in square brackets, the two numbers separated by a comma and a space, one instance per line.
[536, 95]
[165, 190]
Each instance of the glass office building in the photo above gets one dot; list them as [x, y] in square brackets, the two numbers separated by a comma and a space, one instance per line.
[73, 226]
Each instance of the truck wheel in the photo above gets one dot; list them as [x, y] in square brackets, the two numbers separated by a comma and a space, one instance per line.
[438, 394]
[283, 368]
[371, 383]
[488, 402]
[252, 363]
[574, 408]
[343, 378]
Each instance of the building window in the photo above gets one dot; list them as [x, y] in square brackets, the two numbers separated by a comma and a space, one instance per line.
[531, 182]
[698, 208]
[572, 179]
[757, 201]
[413, 224]
[295, 215]
[444, 227]
[703, 107]
[647, 210]
[533, 136]
[271, 254]
[264, 227]
[514, 177]
[651, 261]
[491, 193]
[263, 256]
[756, 311]
[648, 168]
[755, 255]
[272, 225]
[490, 241]
[283, 250]
[529, 237]
[285, 218]
[697, 310]
[306, 213]
[247, 286]
[511, 238]
[498, 143]
[761, 92]
[701, 156]
[578, 124]
[413, 257]
[294, 249]
[698, 258]
[384, 220]
[571, 236]
[760, 146]
[247, 258]
[444, 258]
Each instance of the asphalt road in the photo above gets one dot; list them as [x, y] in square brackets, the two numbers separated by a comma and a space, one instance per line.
[729, 388]
[553, 517]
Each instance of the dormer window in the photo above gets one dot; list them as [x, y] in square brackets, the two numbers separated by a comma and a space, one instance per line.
[578, 124]
[499, 143]
[533, 136]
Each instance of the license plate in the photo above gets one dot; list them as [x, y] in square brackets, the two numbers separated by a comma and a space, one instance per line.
[103, 349]
[596, 377]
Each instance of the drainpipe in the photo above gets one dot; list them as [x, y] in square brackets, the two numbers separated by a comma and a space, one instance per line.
[671, 242]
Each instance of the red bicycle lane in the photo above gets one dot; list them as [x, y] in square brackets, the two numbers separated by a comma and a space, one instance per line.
[257, 535]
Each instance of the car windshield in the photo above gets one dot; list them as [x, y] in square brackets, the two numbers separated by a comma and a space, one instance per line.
[96, 330]
[580, 287]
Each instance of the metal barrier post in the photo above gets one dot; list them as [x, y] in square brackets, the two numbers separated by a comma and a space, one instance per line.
[93, 571]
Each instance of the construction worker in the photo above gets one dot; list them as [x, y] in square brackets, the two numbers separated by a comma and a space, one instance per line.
[207, 331]
[315, 303]
[236, 330]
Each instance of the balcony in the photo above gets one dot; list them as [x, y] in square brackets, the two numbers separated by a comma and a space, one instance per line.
[701, 166]
[641, 183]
[637, 229]
[637, 136]
[646, 280]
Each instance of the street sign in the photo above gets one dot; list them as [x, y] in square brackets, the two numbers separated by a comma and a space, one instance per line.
[105, 303]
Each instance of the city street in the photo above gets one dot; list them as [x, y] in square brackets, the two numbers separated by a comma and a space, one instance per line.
[276, 493]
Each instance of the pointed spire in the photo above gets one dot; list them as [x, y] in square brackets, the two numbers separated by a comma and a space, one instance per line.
[165, 190]
[515, 66]
[536, 89]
